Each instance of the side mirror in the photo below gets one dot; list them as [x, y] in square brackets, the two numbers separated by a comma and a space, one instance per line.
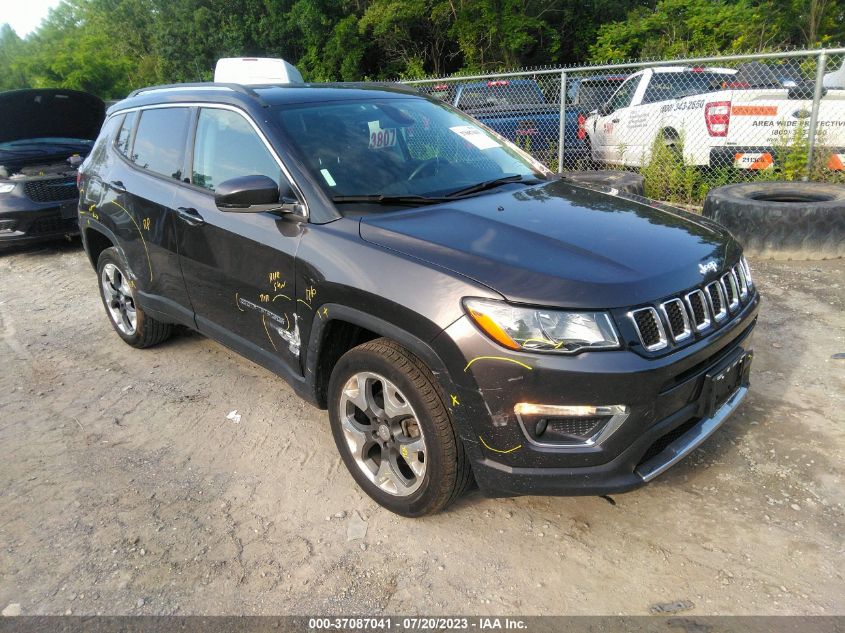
[254, 194]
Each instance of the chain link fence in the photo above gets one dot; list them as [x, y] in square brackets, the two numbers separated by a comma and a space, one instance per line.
[685, 125]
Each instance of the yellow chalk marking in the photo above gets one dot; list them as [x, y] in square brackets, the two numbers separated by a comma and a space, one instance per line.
[496, 450]
[281, 296]
[509, 360]
[404, 451]
[305, 303]
[143, 241]
[238, 303]
[264, 321]
[455, 400]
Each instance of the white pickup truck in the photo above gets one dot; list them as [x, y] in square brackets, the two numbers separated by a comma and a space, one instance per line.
[720, 117]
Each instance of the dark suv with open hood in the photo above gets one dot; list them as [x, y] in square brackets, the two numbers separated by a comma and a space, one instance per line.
[461, 312]
[44, 137]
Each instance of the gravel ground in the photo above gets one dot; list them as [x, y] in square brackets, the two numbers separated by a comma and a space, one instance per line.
[126, 490]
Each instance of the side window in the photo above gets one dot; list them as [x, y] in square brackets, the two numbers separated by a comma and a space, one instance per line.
[227, 146]
[107, 135]
[124, 136]
[160, 140]
[623, 96]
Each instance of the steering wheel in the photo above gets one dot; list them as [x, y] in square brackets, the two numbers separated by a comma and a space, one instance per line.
[431, 162]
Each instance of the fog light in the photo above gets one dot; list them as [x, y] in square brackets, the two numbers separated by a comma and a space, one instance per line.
[569, 426]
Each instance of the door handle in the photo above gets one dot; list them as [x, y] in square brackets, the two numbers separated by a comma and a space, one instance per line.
[615, 121]
[118, 186]
[190, 216]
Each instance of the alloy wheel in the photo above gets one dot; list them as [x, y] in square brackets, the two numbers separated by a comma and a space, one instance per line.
[118, 299]
[383, 433]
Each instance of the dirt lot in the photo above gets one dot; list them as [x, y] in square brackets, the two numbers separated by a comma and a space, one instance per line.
[125, 489]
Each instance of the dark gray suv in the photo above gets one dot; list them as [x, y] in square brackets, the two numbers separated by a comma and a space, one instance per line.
[461, 312]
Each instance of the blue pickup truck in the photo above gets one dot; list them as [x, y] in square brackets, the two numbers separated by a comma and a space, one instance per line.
[518, 110]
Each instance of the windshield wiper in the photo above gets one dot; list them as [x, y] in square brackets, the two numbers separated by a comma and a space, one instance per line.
[382, 199]
[491, 184]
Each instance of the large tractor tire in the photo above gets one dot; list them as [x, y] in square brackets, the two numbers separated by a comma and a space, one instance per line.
[782, 220]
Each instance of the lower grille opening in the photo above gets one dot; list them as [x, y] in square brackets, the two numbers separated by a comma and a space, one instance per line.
[664, 440]
[51, 225]
[576, 430]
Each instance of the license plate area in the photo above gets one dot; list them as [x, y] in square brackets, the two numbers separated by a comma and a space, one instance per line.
[722, 382]
[69, 210]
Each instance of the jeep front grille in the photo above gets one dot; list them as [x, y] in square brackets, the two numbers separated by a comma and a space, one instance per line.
[698, 309]
[649, 328]
[729, 286]
[678, 319]
[716, 298]
[51, 189]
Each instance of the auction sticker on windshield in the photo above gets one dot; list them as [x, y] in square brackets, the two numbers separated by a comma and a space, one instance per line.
[380, 138]
[475, 136]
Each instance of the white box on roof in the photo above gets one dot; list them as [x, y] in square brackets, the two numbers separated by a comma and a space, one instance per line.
[253, 71]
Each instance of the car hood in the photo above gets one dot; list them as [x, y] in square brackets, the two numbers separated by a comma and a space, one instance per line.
[559, 244]
[26, 114]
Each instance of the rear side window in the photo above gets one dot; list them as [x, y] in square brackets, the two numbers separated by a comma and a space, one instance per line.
[623, 96]
[124, 136]
[160, 141]
[665, 86]
[227, 146]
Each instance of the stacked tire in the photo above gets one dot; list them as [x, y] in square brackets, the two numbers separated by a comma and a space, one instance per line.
[782, 220]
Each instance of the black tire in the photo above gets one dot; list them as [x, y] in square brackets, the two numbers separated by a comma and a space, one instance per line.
[782, 220]
[624, 181]
[447, 469]
[147, 331]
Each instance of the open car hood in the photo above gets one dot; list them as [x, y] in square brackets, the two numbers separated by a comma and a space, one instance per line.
[26, 114]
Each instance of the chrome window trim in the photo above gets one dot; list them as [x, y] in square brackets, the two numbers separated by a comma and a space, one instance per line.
[687, 326]
[663, 342]
[723, 313]
[225, 106]
[728, 278]
[704, 303]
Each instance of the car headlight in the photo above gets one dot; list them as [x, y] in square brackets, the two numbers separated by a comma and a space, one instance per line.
[7, 187]
[541, 329]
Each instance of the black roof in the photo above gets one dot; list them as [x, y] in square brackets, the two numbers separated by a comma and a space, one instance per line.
[266, 95]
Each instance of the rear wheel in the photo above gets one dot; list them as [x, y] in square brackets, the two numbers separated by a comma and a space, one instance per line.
[117, 291]
[393, 430]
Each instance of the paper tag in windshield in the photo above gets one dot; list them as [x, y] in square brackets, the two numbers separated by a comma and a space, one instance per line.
[380, 138]
[475, 136]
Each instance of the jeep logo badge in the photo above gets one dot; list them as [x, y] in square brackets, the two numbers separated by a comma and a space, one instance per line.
[708, 267]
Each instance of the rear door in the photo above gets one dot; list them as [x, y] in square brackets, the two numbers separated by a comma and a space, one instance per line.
[238, 267]
[142, 185]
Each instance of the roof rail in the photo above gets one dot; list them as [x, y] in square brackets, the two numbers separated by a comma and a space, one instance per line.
[207, 85]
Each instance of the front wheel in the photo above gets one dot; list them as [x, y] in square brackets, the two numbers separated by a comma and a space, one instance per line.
[128, 319]
[393, 430]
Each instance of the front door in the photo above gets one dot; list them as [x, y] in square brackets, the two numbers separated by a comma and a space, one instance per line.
[611, 138]
[239, 268]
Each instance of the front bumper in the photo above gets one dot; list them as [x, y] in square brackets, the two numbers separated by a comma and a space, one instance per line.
[667, 396]
[24, 221]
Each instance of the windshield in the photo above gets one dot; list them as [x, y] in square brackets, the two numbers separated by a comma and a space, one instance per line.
[398, 147]
[500, 93]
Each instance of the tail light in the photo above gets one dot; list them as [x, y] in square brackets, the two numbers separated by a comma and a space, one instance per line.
[717, 117]
[582, 132]
[498, 82]
[78, 178]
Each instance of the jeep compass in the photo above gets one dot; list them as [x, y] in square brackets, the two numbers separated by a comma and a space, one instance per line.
[463, 314]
